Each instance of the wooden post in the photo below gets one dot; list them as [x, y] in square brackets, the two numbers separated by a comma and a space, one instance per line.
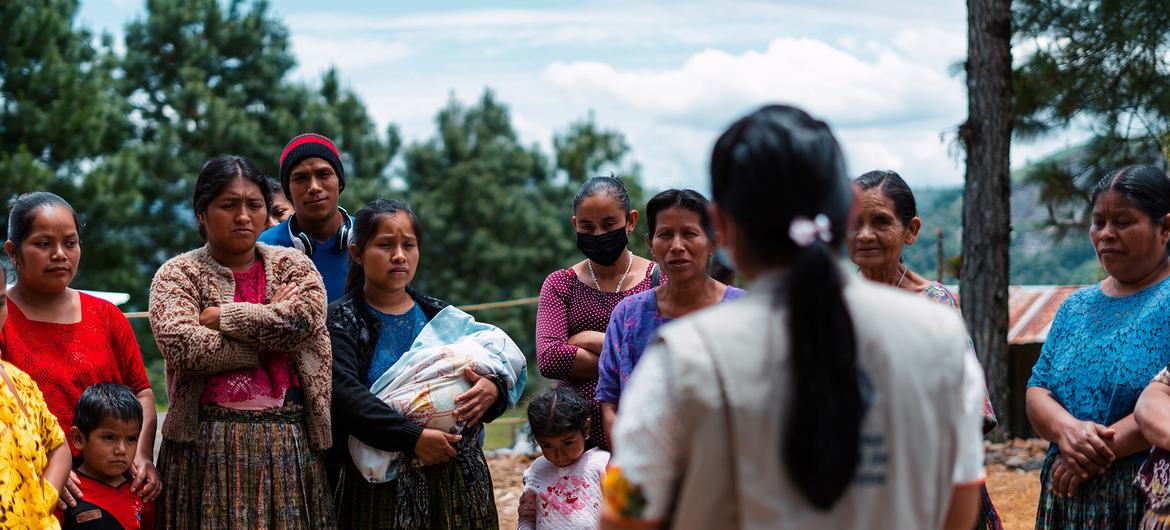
[939, 261]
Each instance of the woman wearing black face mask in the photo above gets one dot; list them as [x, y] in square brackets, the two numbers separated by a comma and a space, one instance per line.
[575, 303]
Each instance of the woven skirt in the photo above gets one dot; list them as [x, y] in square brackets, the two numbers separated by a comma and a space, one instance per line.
[456, 495]
[1106, 501]
[246, 469]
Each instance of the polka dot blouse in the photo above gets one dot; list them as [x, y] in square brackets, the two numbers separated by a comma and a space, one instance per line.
[567, 307]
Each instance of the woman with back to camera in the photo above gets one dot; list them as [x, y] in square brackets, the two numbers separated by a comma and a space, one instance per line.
[241, 327]
[1106, 343]
[816, 401]
[576, 303]
[682, 241]
[67, 340]
[886, 219]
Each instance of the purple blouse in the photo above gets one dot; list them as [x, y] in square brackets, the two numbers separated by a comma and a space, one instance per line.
[567, 307]
[631, 328]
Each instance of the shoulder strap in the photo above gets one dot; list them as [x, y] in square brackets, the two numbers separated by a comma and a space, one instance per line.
[728, 424]
[12, 387]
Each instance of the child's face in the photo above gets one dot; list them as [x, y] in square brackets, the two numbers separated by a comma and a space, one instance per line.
[109, 449]
[562, 450]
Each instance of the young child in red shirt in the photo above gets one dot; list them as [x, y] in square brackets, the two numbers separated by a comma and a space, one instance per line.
[105, 429]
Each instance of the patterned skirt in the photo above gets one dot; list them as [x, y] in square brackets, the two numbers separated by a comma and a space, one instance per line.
[246, 469]
[454, 495]
[1106, 501]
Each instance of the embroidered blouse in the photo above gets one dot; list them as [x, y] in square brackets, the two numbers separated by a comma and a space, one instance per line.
[397, 334]
[1102, 351]
[631, 327]
[260, 387]
[65, 359]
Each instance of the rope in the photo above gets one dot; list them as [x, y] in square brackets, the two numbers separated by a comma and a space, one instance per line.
[471, 307]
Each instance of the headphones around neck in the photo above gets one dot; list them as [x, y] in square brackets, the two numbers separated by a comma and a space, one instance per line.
[302, 242]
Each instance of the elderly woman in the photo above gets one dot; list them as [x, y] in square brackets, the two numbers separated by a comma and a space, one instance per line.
[1106, 343]
[241, 327]
[815, 401]
[887, 220]
[682, 242]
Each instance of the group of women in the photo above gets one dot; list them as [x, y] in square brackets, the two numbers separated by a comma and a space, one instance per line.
[819, 399]
[262, 378]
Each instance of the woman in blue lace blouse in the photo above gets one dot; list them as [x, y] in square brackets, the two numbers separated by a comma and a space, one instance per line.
[1106, 343]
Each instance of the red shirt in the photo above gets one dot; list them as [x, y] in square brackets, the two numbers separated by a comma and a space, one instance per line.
[65, 359]
[104, 507]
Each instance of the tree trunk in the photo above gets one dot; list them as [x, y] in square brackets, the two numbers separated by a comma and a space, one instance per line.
[987, 190]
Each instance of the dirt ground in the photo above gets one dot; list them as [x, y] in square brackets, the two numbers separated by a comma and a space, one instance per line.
[1013, 481]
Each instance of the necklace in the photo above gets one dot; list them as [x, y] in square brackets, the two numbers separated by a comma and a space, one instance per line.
[905, 269]
[589, 263]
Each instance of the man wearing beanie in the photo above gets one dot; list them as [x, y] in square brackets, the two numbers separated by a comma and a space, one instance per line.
[313, 179]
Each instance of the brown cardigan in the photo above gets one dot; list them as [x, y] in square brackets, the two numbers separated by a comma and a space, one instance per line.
[193, 281]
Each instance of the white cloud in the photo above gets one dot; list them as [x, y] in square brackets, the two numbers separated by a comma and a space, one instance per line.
[315, 54]
[712, 85]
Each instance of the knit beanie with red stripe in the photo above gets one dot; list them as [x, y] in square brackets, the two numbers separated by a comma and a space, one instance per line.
[309, 145]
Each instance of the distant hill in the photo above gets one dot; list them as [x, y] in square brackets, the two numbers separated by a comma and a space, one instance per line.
[1039, 254]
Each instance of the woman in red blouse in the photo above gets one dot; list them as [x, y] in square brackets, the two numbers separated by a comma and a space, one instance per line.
[575, 303]
[67, 340]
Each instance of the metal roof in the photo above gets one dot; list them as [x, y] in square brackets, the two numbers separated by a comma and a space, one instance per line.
[1031, 309]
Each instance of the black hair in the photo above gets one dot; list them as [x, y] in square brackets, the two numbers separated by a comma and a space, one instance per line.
[609, 185]
[768, 168]
[556, 412]
[891, 185]
[274, 188]
[676, 198]
[1146, 186]
[24, 213]
[106, 400]
[220, 171]
[365, 225]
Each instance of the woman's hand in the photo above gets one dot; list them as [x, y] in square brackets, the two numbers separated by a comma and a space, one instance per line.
[209, 318]
[1065, 481]
[147, 483]
[472, 404]
[70, 493]
[434, 446]
[285, 292]
[1084, 448]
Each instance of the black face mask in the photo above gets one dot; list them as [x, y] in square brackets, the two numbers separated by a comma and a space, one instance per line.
[604, 249]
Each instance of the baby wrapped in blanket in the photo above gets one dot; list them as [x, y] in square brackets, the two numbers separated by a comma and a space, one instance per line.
[423, 384]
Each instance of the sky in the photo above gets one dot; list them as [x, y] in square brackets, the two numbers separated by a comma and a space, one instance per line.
[670, 75]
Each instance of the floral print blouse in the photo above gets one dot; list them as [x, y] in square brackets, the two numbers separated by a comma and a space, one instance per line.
[28, 432]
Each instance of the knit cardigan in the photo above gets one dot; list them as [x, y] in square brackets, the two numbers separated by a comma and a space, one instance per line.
[193, 281]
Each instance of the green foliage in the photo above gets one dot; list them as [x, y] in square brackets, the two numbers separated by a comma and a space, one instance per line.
[1040, 254]
[123, 138]
[494, 213]
[1100, 64]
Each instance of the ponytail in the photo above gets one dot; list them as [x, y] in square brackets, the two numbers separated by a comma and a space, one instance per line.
[821, 445]
[780, 171]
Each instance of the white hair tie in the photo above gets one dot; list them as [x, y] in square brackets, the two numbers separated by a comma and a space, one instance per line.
[805, 232]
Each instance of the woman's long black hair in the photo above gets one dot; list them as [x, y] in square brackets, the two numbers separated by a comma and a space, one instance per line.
[768, 168]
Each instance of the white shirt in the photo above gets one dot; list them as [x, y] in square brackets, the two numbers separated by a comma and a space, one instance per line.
[921, 435]
[563, 498]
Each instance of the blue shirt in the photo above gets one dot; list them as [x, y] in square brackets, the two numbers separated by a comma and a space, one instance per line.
[332, 262]
[1102, 351]
[397, 335]
[631, 328]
